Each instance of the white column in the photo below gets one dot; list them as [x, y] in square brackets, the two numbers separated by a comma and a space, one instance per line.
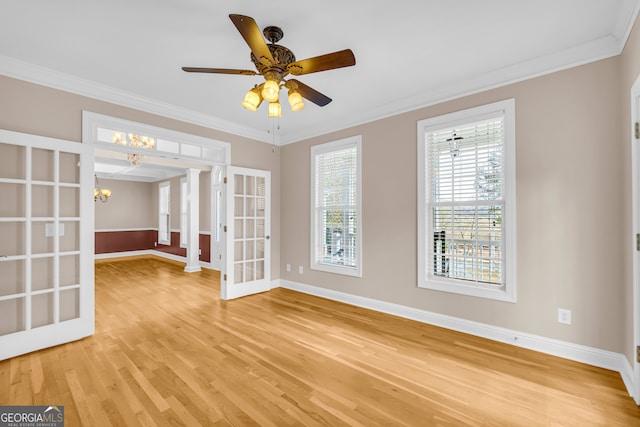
[193, 221]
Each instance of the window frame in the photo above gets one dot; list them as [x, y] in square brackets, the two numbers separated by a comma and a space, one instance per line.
[162, 185]
[315, 220]
[426, 278]
[184, 213]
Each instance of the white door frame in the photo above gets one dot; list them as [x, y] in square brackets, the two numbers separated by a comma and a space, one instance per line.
[635, 185]
[189, 150]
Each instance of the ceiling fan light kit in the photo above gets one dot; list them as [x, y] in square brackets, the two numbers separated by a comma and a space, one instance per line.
[275, 109]
[253, 99]
[270, 91]
[295, 100]
[275, 62]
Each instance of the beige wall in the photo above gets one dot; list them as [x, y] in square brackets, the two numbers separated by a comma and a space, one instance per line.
[569, 165]
[205, 200]
[175, 202]
[30, 108]
[130, 206]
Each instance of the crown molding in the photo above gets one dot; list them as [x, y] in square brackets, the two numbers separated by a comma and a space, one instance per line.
[595, 50]
[627, 16]
[21, 70]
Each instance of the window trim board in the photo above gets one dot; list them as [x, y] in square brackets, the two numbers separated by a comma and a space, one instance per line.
[507, 292]
[325, 148]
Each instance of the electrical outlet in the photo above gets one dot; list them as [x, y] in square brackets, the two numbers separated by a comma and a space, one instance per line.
[564, 316]
[300, 270]
[288, 267]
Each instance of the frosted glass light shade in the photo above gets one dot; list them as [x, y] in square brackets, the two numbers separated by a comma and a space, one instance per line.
[252, 100]
[295, 100]
[270, 91]
[275, 109]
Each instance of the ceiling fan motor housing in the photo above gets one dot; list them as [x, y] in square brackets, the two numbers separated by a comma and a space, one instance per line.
[282, 57]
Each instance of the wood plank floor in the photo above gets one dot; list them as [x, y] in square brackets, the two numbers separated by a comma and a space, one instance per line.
[168, 352]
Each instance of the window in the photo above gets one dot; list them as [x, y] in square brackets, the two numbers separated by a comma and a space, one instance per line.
[184, 209]
[466, 202]
[164, 217]
[336, 225]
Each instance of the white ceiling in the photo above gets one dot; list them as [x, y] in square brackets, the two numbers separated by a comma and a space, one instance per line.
[114, 165]
[409, 53]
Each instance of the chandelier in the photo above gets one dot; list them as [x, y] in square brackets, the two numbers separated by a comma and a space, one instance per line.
[101, 194]
[135, 141]
[270, 92]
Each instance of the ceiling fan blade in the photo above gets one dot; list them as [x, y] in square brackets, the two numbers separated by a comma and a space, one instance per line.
[330, 61]
[218, 71]
[251, 34]
[311, 94]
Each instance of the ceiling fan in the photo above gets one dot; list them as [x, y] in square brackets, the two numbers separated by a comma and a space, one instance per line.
[275, 62]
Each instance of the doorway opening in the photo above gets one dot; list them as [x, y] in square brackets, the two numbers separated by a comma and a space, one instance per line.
[148, 171]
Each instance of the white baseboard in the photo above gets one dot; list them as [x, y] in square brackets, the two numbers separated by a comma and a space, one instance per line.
[160, 254]
[123, 254]
[580, 353]
[628, 377]
[166, 255]
[275, 283]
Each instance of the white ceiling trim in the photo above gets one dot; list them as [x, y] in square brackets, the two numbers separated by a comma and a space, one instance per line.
[21, 70]
[595, 50]
[626, 18]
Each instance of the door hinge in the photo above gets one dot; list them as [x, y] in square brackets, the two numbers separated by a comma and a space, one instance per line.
[638, 242]
[638, 354]
[225, 230]
[225, 178]
[636, 128]
[225, 277]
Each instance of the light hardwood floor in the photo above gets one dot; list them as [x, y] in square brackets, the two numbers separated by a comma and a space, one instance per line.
[168, 352]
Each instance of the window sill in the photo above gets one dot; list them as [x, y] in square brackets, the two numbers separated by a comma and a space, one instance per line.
[337, 269]
[473, 290]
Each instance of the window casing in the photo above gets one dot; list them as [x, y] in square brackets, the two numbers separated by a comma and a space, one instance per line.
[336, 213]
[184, 210]
[466, 202]
[164, 216]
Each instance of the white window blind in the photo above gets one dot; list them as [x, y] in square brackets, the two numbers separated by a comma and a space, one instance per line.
[466, 171]
[336, 207]
[164, 207]
[466, 206]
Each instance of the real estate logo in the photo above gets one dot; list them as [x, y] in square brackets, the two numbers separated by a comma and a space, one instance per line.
[31, 416]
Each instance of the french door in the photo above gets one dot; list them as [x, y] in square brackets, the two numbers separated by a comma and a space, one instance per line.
[248, 250]
[46, 249]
